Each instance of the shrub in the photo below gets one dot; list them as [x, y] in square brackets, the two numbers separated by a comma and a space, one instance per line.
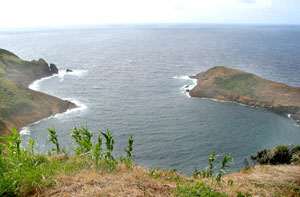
[295, 149]
[280, 155]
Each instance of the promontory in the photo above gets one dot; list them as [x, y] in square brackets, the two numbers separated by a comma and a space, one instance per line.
[19, 105]
[234, 85]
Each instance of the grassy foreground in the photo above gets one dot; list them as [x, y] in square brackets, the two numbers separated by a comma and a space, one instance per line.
[93, 171]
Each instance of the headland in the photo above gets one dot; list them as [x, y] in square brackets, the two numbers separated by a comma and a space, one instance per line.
[19, 105]
[238, 86]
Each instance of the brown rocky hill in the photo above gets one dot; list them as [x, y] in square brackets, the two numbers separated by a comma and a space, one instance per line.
[19, 105]
[234, 85]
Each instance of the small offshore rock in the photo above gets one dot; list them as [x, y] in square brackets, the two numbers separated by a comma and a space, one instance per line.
[69, 70]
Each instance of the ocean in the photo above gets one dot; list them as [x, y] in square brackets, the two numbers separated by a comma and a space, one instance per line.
[130, 79]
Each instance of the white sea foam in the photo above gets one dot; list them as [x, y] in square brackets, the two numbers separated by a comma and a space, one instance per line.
[80, 107]
[77, 73]
[25, 131]
[36, 84]
[182, 77]
[61, 74]
[186, 88]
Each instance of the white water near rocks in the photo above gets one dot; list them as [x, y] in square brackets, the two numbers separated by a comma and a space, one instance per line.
[125, 80]
[36, 86]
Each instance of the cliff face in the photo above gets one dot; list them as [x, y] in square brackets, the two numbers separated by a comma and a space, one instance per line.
[19, 105]
[234, 85]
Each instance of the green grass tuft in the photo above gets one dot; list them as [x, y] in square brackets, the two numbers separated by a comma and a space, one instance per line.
[199, 189]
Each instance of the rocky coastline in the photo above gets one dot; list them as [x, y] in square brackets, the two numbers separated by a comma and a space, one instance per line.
[237, 86]
[19, 105]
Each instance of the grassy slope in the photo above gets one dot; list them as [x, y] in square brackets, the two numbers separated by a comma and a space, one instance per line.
[137, 181]
[93, 171]
[20, 106]
[77, 176]
[12, 97]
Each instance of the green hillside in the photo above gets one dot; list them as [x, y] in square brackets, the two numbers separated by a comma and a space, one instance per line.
[19, 105]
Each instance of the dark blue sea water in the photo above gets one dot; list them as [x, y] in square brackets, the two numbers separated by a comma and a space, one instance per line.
[130, 78]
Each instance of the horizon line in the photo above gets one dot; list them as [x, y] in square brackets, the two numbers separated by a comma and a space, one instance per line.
[74, 26]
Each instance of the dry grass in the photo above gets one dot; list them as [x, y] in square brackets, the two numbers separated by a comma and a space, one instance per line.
[264, 180]
[123, 182]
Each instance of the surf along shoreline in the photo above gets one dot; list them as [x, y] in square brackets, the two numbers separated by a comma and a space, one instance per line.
[34, 86]
[21, 106]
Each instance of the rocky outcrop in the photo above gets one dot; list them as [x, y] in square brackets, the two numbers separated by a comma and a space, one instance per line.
[234, 85]
[53, 69]
[20, 106]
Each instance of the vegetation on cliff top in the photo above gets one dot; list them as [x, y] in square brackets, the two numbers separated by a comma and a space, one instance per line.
[92, 170]
[23, 172]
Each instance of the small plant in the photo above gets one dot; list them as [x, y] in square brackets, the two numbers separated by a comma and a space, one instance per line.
[83, 138]
[246, 164]
[223, 170]
[54, 140]
[109, 159]
[155, 173]
[199, 189]
[31, 146]
[128, 150]
[212, 158]
[230, 182]
[1, 165]
[12, 147]
[97, 151]
[196, 173]
[239, 194]
[292, 188]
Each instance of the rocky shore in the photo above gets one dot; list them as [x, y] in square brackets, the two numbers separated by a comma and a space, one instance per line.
[19, 105]
[234, 85]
